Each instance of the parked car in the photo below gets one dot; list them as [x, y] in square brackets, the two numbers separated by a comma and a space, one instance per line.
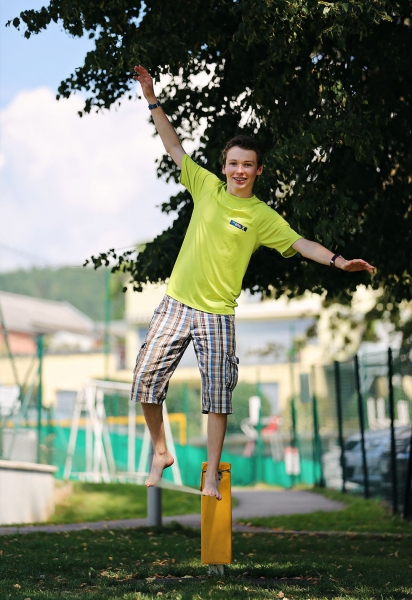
[376, 442]
[402, 445]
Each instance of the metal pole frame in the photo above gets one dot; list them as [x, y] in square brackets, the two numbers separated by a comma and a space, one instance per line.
[154, 500]
[131, 438]
[362, 428]
[185, 406]
[107, 314]
[392, 428]
[340, 423]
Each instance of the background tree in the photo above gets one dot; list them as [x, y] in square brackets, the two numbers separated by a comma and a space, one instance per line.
[324, 86]
[84, 288]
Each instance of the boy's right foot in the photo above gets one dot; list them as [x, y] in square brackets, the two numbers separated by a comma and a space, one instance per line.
[159, 463]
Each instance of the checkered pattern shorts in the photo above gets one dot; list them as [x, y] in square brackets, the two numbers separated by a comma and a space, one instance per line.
[171, 329]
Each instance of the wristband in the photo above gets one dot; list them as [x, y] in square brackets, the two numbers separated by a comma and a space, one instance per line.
[152, 106]
[332, 260]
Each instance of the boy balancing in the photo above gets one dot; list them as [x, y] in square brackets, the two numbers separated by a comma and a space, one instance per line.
[227, 225]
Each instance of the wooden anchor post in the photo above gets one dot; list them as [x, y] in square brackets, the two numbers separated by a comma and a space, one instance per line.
[216, 523]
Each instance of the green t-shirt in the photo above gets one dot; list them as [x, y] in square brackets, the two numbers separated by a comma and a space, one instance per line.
[223, 233]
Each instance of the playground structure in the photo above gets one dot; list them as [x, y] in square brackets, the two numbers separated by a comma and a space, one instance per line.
[99, 458]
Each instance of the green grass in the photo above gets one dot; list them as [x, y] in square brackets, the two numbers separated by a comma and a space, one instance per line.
[107, 501]
[359, 516]
[130, 564]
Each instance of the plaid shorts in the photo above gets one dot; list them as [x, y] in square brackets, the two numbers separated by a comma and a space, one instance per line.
[172, 327]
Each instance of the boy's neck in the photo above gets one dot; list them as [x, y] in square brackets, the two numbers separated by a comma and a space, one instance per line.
[246, 193]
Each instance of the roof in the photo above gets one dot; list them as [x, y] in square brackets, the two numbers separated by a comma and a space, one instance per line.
[36, 315]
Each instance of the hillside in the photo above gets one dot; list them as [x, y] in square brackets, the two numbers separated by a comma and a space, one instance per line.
[82, 287]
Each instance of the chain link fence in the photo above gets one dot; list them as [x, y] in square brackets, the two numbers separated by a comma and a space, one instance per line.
[360, 428]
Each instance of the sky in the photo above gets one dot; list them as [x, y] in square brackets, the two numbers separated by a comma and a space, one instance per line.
[69, 186]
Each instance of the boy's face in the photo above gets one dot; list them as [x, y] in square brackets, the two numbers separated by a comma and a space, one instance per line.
[241, 171]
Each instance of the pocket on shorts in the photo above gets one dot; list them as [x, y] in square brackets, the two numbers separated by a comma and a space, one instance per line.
[162, 306]
[232, 371]
[139, 357]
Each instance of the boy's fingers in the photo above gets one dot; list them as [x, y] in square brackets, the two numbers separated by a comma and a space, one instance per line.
[358, 264]
[141, 70]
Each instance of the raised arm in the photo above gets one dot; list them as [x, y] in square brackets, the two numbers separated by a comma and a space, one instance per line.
[322, 255]
[164, 127]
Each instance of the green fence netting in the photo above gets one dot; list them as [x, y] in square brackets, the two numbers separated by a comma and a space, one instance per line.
[189, 458]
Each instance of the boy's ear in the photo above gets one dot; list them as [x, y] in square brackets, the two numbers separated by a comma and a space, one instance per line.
[259, 170]
[224, 169]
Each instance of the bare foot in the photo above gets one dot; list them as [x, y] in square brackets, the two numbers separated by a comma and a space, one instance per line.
[211, 487]
[159, 463]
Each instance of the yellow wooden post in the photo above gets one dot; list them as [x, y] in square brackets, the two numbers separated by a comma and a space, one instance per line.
[216, 531]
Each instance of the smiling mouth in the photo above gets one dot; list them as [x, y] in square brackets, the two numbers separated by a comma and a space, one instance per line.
[240, 179]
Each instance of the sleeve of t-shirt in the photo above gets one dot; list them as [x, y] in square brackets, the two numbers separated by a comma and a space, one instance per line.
[196, 179]
[275, 232]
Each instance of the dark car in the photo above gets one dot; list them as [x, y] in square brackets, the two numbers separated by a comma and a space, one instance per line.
[376, 442]
[402, 445]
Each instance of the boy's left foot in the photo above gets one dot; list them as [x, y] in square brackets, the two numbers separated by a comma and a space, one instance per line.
[159, 463]
[211, 487]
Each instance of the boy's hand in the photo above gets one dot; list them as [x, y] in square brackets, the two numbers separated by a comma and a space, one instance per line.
[357, 264]
[143, 77]
[164, 128]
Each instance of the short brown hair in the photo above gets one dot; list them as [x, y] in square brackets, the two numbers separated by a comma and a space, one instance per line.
[246, 143]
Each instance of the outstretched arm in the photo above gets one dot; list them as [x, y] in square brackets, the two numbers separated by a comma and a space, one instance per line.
[164, 128]
[322, 255]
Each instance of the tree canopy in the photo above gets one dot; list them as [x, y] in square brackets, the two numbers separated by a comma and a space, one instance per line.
[324, 86]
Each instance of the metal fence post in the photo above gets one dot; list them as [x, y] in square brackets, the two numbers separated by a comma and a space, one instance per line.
[154, 500]
[340, 423]
[407, 508]
[294, 424]
[50, 436]
[317, 442]
[393, 440]
[362, 428]
[185, 406]
[40, 347]
[259, 441]
[317, 446]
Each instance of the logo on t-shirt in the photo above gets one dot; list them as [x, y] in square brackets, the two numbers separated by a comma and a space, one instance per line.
[238, 225]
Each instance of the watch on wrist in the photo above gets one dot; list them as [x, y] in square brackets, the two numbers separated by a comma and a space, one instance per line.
[155, 105]
[333, 259]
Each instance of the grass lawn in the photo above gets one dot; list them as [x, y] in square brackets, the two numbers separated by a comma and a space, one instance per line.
[107, 501]
[150, 563]
[359, 515]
